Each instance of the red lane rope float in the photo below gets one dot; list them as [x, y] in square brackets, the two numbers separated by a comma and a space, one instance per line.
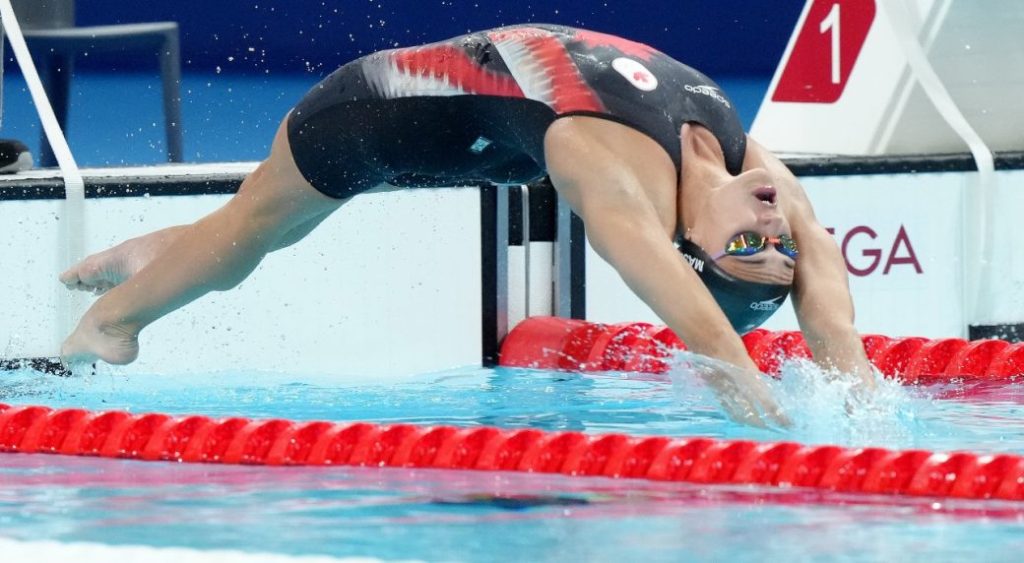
[556, 343]
[198, 439]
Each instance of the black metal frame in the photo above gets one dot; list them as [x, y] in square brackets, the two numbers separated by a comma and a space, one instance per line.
[493, 271]
[1011, 332]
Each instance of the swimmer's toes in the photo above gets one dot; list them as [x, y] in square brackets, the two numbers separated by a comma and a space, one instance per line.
[98, 272]
[70, 277]
[92, 271]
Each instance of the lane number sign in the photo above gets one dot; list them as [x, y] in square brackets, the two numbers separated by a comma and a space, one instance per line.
[825, 51]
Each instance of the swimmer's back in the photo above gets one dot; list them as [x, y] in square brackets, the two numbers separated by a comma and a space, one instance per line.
[476, 107]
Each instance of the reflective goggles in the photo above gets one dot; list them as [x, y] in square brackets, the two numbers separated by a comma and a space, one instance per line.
[750, 243]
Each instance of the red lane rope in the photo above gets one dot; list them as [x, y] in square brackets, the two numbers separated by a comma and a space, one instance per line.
[556, 343]
[198, 439]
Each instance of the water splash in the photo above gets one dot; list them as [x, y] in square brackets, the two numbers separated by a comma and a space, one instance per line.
[828, 407]
[822, 406]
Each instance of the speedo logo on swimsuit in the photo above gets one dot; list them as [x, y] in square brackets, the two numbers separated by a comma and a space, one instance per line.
[766, 305]
[709, 91]
[695, 263]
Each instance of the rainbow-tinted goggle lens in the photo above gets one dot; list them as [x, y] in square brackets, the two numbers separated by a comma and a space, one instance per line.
[750, 243]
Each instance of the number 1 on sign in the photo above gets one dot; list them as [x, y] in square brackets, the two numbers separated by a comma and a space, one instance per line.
[831, 23]
[806, 76]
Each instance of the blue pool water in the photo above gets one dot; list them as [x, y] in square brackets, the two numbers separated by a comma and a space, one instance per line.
[448, 515]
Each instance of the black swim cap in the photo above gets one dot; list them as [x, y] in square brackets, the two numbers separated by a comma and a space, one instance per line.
[746, 304]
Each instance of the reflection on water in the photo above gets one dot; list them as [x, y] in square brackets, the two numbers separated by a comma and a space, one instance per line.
[468, 515]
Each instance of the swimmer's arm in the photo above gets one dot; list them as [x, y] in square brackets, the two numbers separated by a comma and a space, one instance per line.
[653, 269]
[623, 227]
[821, 291]
[824, 307]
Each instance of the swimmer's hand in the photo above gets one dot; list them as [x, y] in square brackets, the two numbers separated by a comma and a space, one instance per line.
[744, 394]
[862, 387]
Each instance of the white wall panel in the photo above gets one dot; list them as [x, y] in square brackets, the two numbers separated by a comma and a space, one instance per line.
[389, 284]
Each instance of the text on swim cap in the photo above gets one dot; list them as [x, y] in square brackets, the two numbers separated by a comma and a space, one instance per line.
[695, 263]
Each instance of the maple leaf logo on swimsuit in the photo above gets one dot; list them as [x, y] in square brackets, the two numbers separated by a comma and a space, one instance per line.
[636, 73]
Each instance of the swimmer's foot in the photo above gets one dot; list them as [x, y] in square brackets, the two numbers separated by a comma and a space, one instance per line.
[104, 270]
[93, 341]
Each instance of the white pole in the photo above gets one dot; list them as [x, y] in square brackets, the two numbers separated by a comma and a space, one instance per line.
[74, 187]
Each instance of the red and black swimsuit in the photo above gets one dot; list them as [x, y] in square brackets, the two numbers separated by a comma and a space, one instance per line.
[476, 107]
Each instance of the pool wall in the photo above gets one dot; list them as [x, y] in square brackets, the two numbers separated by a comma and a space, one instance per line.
[405, 270]
[397, 271]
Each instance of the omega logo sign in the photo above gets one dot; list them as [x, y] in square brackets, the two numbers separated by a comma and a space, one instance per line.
[865, 253]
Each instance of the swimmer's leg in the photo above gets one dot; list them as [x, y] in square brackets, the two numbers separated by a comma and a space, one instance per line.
[104, 270]
[216, 253]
